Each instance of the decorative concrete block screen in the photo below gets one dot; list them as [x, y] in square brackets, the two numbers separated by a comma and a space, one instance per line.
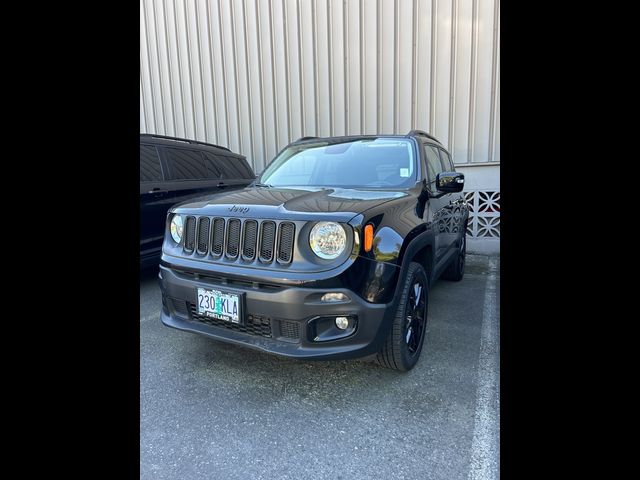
[484, 214]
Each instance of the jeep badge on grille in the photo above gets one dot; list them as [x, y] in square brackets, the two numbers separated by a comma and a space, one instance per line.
[237, 209]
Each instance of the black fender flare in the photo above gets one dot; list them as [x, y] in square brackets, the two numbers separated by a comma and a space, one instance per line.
[420, 241]
[409, 251]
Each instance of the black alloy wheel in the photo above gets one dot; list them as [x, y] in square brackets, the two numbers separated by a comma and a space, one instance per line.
[415, 309]
[402, 347]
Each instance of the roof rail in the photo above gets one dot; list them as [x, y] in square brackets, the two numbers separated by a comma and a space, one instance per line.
[422, 133]
[195, 142]
[306, 138]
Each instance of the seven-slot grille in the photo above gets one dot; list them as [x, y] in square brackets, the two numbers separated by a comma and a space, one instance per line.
[245, 238]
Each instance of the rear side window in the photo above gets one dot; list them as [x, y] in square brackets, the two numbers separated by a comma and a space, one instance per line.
[185, 164]
[434, 165]
[244, 167]
[212, 163]
[150, 170]
[447, 164]
[233, 167]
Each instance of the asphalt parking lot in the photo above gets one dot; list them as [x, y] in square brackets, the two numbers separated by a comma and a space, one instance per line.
[211, 410]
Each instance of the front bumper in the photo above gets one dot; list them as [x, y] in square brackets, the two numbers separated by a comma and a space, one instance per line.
[278, 319]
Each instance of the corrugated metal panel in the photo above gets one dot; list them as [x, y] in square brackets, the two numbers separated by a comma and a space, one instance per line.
[257, 74]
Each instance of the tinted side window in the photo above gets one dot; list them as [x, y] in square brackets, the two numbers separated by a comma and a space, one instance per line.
[248, 171]
[149, 164]
[233, 167]
[244, 166]
[434, 166]
[214, 168]
[185, 164]
[447, 164]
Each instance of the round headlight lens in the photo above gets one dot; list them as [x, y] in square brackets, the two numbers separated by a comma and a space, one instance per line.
[176, 228]
[327, 240]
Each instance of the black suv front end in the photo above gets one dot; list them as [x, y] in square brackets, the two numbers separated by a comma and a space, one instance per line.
[289, 301]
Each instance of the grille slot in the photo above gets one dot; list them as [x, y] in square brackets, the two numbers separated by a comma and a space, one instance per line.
[290, 329]
[179, 306]
[285, 242]
[258, 325]
[233, 238]
[190, 234]
[267, 241]
[249, 239]
[217, 242]
[203, 235]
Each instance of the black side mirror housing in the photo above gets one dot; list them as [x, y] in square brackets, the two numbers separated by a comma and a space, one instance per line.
[449, 182]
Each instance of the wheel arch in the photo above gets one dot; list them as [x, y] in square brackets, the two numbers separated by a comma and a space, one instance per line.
[422, 250]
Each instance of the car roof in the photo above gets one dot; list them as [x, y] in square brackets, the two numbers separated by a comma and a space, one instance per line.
[181, 142]
[422, 135]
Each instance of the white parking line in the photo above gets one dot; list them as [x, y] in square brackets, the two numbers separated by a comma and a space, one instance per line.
[485, 454]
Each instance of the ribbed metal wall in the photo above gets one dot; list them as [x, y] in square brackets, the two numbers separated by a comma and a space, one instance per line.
[254, 75]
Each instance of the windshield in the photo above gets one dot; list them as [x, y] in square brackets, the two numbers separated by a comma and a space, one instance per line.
[369, 162]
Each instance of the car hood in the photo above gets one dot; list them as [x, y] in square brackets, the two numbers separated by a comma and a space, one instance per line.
[294, 202]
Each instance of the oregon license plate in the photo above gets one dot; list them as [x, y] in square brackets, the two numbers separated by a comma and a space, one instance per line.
[220, 305]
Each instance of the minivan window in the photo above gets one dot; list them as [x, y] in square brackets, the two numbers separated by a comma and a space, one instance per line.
[150, 170]
[434, 165]
[185, 164]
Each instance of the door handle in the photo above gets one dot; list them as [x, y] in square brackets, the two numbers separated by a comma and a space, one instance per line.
[221, 185]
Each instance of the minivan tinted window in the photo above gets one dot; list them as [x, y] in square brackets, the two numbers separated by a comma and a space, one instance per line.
[185, 164]
[150, 170]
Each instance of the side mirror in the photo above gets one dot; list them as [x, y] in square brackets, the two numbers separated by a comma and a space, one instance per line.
[449, 182]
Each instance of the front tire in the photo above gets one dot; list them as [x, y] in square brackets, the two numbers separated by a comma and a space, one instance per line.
[403, 345]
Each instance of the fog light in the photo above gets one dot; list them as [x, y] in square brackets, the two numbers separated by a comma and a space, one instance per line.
[342, 323]
[334, 297]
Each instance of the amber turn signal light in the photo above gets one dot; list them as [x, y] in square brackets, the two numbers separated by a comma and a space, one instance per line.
[368, 237]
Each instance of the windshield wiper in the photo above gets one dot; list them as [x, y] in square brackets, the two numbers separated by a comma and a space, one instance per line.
[265, 185]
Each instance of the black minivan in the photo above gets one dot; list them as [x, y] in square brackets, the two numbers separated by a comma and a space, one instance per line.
[173, 170]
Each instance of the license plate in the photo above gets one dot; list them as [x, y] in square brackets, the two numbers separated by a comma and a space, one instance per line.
[220, 305]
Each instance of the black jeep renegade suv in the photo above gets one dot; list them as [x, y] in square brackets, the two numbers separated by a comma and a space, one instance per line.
[329, 254]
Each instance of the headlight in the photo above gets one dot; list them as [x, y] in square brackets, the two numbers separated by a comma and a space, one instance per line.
[327, 240]
[176, 228]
